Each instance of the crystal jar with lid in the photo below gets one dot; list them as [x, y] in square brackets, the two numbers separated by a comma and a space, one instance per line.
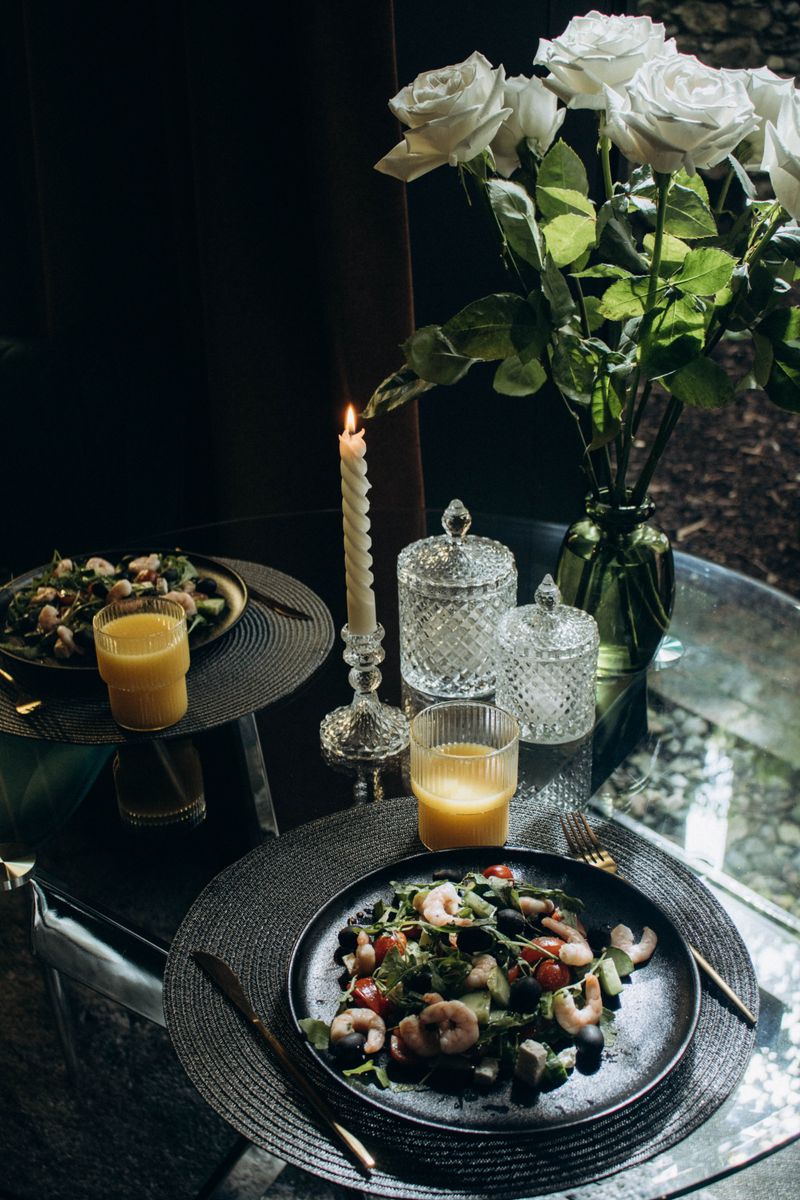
[546, 668]
[452, 590]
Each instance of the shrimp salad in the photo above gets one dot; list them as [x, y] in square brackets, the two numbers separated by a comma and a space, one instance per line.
[51, 617]
[469, 981]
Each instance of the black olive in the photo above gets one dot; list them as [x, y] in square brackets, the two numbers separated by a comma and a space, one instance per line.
[418, 981]
[348, 938]
[472, 939]
[207, 586]
[511, 922]
[350, 1048]
[598, 937]
[590, 1040]
[449, 873]
[171, 574]
[99, 589]
[85, 637]
[525, 993]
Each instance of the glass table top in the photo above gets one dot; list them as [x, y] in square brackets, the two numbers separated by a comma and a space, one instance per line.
[702, 758]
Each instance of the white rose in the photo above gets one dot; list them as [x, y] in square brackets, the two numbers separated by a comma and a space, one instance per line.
[598, 51]
[782, 155]
[535, 118]
[767, 91]
[677, 112]
[453, 114]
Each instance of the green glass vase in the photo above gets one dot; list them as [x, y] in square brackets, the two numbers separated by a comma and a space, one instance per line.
[618, 566]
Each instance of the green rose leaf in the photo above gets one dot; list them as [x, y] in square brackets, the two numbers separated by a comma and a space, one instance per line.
[516, 378]
[568, 236]
[602, 271]
[702, 384]
[514, 210]
[673, 252]
[695, 183]
[625, 298]
[496, 326]
[432, 355]
[704, 271]
[562, 168]
[606, 412]
[688, 214]
[574, 366]
[557, 293]
[782, 330]
[396, 390]
[615, 241]
[785, 243]
[555, 201]
[762, 359]
[593, 314]
[669, 337]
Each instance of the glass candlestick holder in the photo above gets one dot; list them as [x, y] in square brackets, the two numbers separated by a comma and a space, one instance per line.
[366, 730]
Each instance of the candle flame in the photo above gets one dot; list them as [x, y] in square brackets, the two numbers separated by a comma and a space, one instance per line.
[350, 419]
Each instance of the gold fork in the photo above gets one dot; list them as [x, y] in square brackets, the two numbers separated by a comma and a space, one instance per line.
[24, 704]
[584, 843]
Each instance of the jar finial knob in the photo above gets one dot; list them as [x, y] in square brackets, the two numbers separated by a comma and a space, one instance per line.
[547, 595]
[456, 519]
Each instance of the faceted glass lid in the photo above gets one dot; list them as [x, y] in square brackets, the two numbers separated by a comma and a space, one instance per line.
[454, 559]
[548, 625]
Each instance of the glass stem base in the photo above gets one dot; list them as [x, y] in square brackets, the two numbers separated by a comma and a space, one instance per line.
[366, 730]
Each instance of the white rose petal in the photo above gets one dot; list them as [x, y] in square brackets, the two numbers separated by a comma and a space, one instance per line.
[767, 91]
[677, 112]
[598, 51]
[453, 114]
[782, 155]
[535, 118]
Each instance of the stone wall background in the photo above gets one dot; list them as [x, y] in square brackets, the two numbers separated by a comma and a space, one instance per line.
[736, 33]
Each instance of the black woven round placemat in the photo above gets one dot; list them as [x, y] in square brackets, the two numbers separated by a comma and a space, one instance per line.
[251, 915]
[263, 658]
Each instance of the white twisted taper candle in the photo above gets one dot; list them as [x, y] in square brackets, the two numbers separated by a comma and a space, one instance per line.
[357, 542]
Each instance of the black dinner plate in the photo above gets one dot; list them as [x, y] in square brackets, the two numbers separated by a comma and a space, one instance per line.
[229, 584]
[655, 1018]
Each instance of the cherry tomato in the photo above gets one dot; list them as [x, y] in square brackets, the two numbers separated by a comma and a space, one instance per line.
[552, 975]
[400, 1052]
[385, 942]
[513, 973]
[367, 995]
[500, 871]
[542, 948]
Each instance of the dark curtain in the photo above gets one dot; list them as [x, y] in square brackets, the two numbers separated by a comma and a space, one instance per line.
[198, 266]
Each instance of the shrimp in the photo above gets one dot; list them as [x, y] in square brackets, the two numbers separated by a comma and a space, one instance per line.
[456, 1025]
[364, 958]
[482, 968]
[65, 645]
[63, 567]
[100, 566]
[121, 590]
[638, 952]
[44, 595]
[577, 952]
[530, 906]
[569, 1016]
[420, 1039]
[185, 600]
[439, 905]
[145, 562]
[48, 618]
[360, 1020]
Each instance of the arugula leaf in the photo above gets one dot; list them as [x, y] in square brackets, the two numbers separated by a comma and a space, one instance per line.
[317, 1032]
[370, 1068]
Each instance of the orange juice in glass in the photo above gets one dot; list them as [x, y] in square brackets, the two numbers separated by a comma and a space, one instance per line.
[143, 656]
[463, 773]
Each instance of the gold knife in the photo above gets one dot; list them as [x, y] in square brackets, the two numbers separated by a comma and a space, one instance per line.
[230, 985]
